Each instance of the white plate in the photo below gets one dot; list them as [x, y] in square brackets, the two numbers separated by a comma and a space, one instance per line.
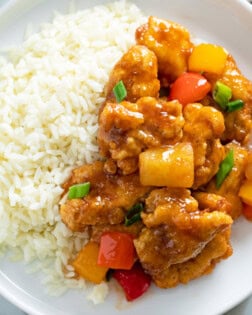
[228, 23]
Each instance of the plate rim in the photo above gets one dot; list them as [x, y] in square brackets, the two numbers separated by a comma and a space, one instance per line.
[15, 294]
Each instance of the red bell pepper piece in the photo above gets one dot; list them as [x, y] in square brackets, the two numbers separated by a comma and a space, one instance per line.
[134, 281]
[190, 87]
[247, 211]
[116, 251]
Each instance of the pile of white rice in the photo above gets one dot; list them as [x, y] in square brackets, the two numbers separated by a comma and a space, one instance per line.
[50, 92]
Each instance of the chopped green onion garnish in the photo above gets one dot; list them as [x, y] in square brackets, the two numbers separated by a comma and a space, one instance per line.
[78, 190]
[222, 94]
[120, 91]
[234, 105]
[225, 168]
[134, 214]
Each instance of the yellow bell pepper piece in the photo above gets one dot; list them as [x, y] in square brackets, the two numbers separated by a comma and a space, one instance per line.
[208, 58]
[85, 264]
[246, 192]
[171, 166]
[248, 170]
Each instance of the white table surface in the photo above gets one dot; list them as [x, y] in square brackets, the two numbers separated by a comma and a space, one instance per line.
[6, 308]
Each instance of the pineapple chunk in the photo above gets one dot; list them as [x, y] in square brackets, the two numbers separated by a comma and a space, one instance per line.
[171, 166]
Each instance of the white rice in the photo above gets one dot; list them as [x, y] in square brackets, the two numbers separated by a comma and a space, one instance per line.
[50, 92]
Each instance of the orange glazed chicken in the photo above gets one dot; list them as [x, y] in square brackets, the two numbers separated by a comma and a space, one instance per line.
[138, 70]
[171, 44]
[177, 233]
[107, 202]
[174, 169]
[127, 129]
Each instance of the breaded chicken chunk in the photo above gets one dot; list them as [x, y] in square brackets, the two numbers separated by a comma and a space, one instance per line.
[211, 202]
[126, 129]
[138, 70]
[231, 185]
[217, 249]
[110, 197]
[171, 44]
[238, 123]
[177, 233]
[203, 127]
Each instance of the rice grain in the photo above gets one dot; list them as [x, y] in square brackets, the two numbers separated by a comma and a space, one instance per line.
[50, 92]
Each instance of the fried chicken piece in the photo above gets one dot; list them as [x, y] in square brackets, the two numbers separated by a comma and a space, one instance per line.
[211, 202]
[177, 206]
[203, 127]
[231, 185]
[138, 70]
[177, 233]
[238, 123]
[110, 197]
[217, 249]
[171, 44]
[126, 129]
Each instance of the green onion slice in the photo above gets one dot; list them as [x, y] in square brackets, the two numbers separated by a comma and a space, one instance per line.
[234, 105]
[134, 214]
[120, 91]
[225, 168]
[222, 94]
[78, 190]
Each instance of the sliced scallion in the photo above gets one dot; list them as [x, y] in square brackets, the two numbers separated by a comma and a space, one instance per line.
[234, 105]
[78, 190]
[222, 94]
[120, 91]
[134, 214]
[225, 168]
